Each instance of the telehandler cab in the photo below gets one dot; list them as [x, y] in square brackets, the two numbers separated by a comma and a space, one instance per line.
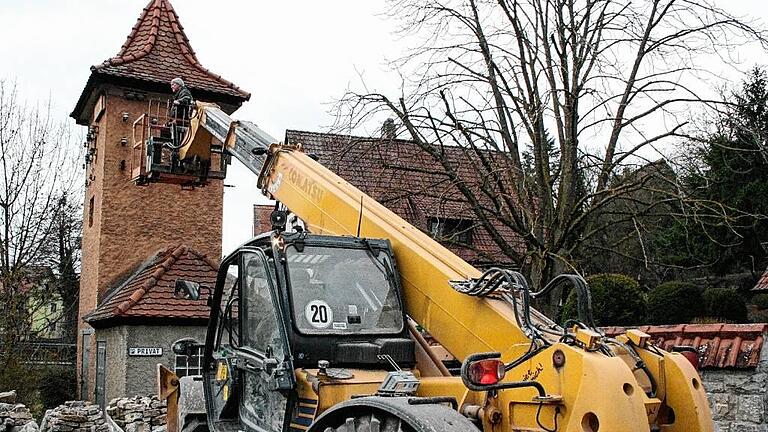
[314, 328]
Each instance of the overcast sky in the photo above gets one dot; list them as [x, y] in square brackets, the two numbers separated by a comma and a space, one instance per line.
[294, 56]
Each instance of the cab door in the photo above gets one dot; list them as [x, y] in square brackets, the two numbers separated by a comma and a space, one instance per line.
[248, 373]
[220, 376]
[266, 370]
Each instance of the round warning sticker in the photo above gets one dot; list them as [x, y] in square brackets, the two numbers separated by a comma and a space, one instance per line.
[318, 314]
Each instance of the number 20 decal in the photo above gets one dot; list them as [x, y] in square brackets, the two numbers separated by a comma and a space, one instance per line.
[318, 314]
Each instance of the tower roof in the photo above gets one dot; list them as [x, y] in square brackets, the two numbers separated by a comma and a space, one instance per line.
[156, 51]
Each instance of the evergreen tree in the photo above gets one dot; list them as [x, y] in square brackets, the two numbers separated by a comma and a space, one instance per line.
[734, 170]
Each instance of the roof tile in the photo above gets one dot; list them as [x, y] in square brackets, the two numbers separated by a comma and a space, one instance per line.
[718, 345]
[762, 283]
[411, 183]
[149, 291]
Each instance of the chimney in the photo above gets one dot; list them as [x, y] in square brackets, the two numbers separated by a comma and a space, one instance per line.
[388, 129]
[261, 218]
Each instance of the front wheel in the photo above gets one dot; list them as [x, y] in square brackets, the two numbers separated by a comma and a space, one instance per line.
[392, 414]
[372, 422]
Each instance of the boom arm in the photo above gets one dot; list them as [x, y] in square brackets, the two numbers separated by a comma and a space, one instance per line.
[330, 205]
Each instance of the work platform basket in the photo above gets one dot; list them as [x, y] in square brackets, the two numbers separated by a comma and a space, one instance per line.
[158, 144]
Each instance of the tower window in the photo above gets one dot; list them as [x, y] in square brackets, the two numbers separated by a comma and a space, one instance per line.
[90, 212]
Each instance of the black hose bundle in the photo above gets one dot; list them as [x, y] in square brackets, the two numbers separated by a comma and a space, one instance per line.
[512, 287]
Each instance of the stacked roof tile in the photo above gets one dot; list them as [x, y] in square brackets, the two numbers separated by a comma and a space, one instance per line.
[718, 345]
[148, 292]
[410, 182]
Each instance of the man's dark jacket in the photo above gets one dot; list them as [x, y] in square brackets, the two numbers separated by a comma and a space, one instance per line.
[184, 98]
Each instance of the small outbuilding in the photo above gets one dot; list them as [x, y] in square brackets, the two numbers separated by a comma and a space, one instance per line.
[139, 319]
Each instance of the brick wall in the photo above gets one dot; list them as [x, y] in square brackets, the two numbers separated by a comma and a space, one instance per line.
[739, 397]
[261, 221]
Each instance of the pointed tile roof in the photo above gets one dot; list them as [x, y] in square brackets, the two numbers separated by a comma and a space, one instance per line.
[156, 51]
[148, 293]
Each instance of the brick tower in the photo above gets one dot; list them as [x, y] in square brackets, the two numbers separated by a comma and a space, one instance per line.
[125, 223]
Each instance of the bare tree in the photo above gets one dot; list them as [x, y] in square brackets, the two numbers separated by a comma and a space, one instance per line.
[39, 170]
[553, 102]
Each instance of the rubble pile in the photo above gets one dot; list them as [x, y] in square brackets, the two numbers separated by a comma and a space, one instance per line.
[139, 413]
[74, 416]
[15, 417]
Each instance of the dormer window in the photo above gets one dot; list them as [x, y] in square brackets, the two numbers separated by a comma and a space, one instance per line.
[451, 230]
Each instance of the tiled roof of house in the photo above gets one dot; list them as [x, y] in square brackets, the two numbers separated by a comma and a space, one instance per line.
[762, 283]
[408, 181]
[157, 49]
[719, 345]
[148, 292]
[33, 278]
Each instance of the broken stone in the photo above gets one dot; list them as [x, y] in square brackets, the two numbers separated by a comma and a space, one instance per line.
[20, 415]
[132, 417]
[73, 418]
[8, 397]
[30, 427]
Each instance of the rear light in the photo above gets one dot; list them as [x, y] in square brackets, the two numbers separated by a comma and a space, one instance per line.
[486, 372]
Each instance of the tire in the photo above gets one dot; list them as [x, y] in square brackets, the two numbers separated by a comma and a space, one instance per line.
[371, 422]
[391, 414]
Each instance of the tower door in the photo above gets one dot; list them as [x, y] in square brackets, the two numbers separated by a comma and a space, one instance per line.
[101, 365]
[85, 363]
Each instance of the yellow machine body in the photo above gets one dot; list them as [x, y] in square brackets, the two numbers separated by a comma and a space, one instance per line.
[587, 390]
[590, 391]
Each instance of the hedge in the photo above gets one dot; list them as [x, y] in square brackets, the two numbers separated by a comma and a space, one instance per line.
[616, 300]
[675, 302]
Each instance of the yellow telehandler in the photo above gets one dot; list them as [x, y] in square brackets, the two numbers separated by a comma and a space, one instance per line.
[317, 327]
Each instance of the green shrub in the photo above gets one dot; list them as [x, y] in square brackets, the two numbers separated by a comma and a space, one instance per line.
[616, 300]
[725, 304]
[57, 385]
[675, 302]
[15, 375]
[761, 301]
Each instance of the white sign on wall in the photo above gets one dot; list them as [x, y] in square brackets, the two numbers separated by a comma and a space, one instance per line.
[144, 352]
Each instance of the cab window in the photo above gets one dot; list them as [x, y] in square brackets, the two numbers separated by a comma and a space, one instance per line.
[229, 325]
[343, 291]
[261, 331]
